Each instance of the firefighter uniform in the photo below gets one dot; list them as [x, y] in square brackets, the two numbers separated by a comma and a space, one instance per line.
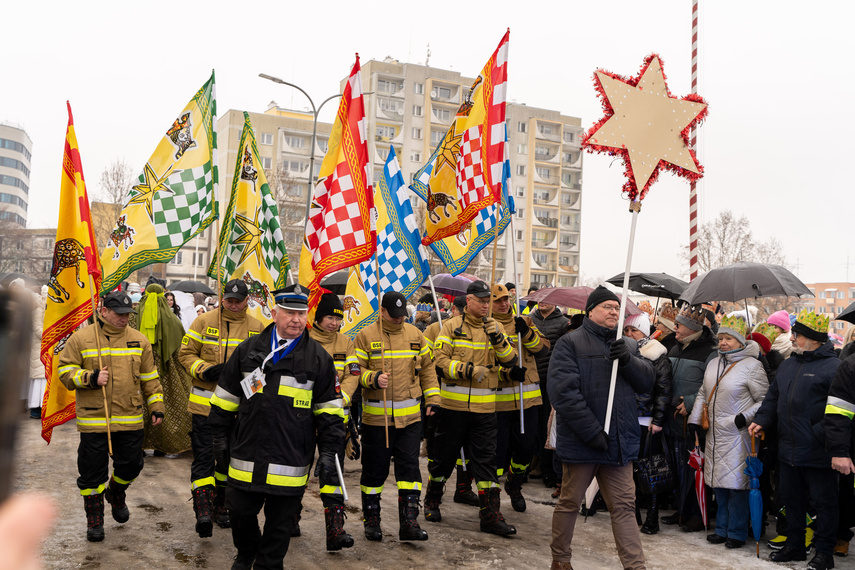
[203, 351]
[273, 435]
[133, 386]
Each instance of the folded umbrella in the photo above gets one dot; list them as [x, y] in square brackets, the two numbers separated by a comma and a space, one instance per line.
[696, 461]
[754, 468]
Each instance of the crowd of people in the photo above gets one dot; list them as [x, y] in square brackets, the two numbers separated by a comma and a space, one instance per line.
[255, 402]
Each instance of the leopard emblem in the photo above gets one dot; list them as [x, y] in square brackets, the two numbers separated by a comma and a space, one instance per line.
[439, 200]
[67, 253]
[350, 304]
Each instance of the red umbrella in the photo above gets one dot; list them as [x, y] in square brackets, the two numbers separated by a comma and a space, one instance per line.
[696, 461]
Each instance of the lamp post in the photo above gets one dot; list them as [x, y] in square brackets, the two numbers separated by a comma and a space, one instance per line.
[315, 113]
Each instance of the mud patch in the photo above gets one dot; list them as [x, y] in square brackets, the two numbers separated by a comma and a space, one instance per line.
[197, 560]
[151, 509]
[164, 526]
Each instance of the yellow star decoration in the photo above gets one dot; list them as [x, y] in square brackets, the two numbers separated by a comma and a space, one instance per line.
[251, 238]
[153, 184]
[450, 149]
[647, 123]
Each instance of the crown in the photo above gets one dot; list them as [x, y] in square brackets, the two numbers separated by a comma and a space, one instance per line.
[423, 307]
[694, 314]
[734, 323]
[813, 321]
[646, 307]
[767, 330]
[668, 312]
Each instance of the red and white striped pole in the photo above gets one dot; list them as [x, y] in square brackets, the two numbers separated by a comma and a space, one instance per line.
[693, 191]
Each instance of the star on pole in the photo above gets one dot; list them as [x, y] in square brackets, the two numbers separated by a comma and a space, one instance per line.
[152, 185]
[647, 125]
[250, 239]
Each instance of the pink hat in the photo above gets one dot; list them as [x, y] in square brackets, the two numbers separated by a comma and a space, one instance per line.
[780, 319]
[640, 321]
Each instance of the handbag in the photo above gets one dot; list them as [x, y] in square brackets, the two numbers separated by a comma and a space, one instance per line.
[653, 471]
[705, 413]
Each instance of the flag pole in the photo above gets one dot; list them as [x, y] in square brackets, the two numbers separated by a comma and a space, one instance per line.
[435, 300]
[220, 351]
[495, 249]
[100, 362]
[519, 336]
[382, 350]
[635, 208]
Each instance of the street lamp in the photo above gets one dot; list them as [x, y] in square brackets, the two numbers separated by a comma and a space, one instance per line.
[315, 113]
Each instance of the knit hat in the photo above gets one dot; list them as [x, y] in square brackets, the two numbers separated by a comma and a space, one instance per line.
[780, 319]
[329, 305]
[764, 334]
[460, 302]
[667, 315]
[599, 295]
[734, 326]
[640, 321]
[511, 286]
[812, 325]
[692, 318]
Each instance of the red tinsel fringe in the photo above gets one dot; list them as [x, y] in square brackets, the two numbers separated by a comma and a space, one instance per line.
[630, 188]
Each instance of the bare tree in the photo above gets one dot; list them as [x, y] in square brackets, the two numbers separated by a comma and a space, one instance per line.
[291, 202]
[728, 239]
[116, 182]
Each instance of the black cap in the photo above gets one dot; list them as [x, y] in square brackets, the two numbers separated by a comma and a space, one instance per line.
[511, 286]
[235, 289]
[479, 289]
[395, 304]
[293, 297]
[460, 302]
[329, 305]
[599, 295]
[119, 302]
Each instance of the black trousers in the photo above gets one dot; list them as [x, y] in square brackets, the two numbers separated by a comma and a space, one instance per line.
[202, 469]
[280, 513]
[820, 485]
[403, 446]
[476, 433]
[513, 448]
[93, 458]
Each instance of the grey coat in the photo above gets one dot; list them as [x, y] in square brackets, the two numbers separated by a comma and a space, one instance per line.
[740, 391]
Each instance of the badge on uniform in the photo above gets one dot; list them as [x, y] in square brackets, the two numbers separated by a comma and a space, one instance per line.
[253, 383]
[212, 331]
[415, 346]
[376, 345]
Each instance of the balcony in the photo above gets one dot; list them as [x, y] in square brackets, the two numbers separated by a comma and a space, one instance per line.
[547, 221]
[569, 199]
[547, 133]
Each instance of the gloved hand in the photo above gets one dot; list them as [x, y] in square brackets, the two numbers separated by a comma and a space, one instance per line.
[620, 352]
[600, 442]
[325, 469]
[522, 326]
[161, 415]
[494, 331]
[212, 374]
[351, 438]
[93, 378]
[740, 422]
[517, 373]
[220, 443]
[477, 373]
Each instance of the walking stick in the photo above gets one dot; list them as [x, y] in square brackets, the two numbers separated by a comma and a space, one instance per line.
[100, 362]
[382, 349]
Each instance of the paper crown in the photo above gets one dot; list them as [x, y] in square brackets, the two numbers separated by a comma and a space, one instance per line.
[423, 307]
[813, 321]
[668, 313]
[646, 307]
[692, 317]
[736, 324]
[771, 333]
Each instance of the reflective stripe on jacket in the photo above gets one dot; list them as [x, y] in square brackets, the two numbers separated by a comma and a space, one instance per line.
[534, 344]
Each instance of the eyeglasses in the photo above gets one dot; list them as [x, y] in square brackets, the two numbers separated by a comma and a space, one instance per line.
[611, 308]
[795, 335]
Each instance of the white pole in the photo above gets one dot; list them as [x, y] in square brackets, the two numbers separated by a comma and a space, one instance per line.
[340, 478]
[435, 300]
[635, 208]
[519, 336]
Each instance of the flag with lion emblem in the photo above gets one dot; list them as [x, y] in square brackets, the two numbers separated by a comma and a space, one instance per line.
[175, 197]
[251, 244]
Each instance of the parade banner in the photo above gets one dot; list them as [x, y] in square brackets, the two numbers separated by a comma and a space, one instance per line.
[176, 197]
[250, 241]
[75, 279]
[402, 259]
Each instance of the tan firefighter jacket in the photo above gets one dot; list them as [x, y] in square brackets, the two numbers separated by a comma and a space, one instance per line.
[343, 353]
[430, 334]
[534, 344]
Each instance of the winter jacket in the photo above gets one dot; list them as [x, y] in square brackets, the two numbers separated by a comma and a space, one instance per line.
[533, 344]
[411, 374]
[847, 350]
[199, 350]
[37, 369]
[774, 359]
[462, 340]
[669, 341]
[579, 379]
[342, 350]
[840, 409]
[552, 327]
[688, 364]
[796, 404]
[134, 382]
[655, 404]
[740, 391]
[430, 334]
[272, 434]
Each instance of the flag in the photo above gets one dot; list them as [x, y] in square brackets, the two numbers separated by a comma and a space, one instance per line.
[70, 288]
[464, 174]
[251, 241]
[403, 263]
[176, 195]
[458, 251]
[340, 230]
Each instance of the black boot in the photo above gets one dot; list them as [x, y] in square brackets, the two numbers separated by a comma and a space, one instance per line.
[651, 523]
[408, 513]
[337, 538]
[463, 492]
[295, 532]
[220, 512]
[203, 506]
[371, 517]
[433, 499]
[94, 505]
[822, 561]
[513, 487]
[115, 495]
[491, 517]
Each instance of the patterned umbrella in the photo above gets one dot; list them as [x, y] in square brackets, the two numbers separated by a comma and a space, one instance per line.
[754, 468]
[696, 461]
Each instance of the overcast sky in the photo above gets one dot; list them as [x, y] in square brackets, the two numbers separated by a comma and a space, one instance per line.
[777, 77]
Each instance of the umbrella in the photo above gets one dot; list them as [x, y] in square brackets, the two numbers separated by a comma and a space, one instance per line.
[659, 284]
[7, 278]
[848, 314]
[744, 280]
[754, 468]
[571, 297]
[696, 461]
[191, 286]
[337, 282]
[448, 284]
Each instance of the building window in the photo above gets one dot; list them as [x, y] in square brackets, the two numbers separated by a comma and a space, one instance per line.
[416, 156]
[543, 172]
[520, 169]
[568, 157]
[295, 166]
[444, 92]
[199, 259]
[442, 114]
[522, 127]
[16, 146]
[520, 237]
[178, 259]
[387, 86]
[324, 145]
[383, 152]
[567, 178]
[419, 88]
[822, 294]
[385, 133]
[13, 163]
[417, 110]
[522, 149]
[545, 129]
[521, 213]
[568, 137]
[266, 138]
[436, 137]
[852, 293]
[292, 141]
[520, 191]
[12, 181]
[417, 133]
[841, 294]
[266, 162]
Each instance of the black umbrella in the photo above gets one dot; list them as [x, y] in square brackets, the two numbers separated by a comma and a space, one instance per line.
[744, 280]
[191, 286]
[848, 314]
[653, 284]
[337, 282]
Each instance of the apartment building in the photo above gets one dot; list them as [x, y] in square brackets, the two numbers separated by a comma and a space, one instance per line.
[829, 299]
[15, 155]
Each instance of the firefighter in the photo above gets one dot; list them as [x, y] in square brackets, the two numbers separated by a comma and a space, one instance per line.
[468, 351]
[397, 373]
[515, 446]
[112, 355]
[204, 350]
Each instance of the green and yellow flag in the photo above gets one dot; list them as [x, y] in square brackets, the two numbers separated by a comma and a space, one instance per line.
[251, 244]
[176, 197]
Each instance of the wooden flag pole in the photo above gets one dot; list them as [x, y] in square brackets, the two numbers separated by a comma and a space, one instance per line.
[382, 349]
[100, 362]
[435, 301]
[635, 208]
[220, 351]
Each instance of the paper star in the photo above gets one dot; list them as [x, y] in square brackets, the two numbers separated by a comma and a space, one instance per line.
[647, 125]
[152, 185]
